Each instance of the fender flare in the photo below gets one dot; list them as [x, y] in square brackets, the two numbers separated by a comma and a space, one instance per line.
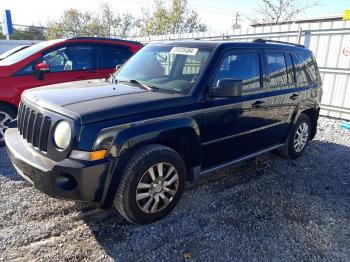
[184, 131]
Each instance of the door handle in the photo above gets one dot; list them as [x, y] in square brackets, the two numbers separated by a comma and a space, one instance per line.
[294, 96]
[258, 104]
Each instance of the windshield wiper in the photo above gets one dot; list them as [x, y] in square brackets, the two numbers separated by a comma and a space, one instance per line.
[144, 86]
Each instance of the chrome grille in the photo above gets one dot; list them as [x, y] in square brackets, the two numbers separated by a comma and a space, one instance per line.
[34, 127]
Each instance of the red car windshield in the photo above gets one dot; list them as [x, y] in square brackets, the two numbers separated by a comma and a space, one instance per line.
[23, 54]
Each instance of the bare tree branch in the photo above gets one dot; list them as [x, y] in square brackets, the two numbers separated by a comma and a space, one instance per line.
[279, 11]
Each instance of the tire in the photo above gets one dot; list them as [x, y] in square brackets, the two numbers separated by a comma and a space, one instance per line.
[7, 114]
[138, 192]
[289, 150]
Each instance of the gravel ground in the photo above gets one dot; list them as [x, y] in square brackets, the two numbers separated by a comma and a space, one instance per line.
[265, 209]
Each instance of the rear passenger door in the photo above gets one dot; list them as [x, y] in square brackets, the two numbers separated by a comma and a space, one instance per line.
[109, 57]
[281, 89]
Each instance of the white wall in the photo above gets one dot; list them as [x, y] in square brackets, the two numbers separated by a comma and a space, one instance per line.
[7, 45]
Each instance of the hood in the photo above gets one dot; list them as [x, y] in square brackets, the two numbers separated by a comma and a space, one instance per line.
[99, 100]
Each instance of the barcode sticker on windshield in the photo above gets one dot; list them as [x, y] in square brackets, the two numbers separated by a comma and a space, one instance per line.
[184, 51]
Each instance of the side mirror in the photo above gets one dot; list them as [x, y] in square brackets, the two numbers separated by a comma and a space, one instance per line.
[227, 87]
[40, 69]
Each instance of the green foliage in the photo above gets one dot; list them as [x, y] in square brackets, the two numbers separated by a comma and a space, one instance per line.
[105, 23]
[74, 23]
[29, 33]
[176, 19]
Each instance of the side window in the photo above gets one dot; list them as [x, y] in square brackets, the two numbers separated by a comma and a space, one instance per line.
[276, 68]
[113, 56]
[290, 69]
[306, 68]
[81, 57]
[70, 58]
[28, 69]
[241, 65]
[57, 60]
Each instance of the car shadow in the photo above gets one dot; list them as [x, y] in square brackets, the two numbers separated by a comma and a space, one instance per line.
[191, 226]
[266, 203]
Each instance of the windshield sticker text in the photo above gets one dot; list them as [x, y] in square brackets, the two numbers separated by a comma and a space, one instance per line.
[184, 51]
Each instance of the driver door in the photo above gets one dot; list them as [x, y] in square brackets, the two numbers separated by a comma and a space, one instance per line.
[238, 126]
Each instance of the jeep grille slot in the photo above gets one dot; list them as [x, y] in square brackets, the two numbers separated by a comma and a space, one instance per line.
[34, 127]
[31, 127]
[25, 124]
[37, 129]
[45, 134]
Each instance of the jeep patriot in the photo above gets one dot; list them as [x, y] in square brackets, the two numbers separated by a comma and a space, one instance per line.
[175, 111]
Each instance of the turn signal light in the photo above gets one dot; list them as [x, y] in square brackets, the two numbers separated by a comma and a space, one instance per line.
[97, 155]
[90, 156]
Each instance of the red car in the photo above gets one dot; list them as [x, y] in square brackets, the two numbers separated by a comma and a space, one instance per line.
[57, 61]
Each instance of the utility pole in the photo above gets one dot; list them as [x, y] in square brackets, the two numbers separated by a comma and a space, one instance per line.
[236, 24]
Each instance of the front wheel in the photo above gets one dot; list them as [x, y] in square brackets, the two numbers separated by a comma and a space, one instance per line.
[151, 185]
[7, 114]
[298, 138]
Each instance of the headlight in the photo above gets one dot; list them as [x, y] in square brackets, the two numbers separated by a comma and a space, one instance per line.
[63, 135]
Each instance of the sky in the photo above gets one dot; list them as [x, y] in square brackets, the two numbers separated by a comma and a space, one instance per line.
[218, 14]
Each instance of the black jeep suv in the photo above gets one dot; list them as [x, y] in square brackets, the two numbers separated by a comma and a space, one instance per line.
[173, 112]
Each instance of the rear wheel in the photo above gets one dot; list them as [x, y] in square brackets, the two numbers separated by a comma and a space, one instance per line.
[152, 184]
[298, 138]
[7, 114]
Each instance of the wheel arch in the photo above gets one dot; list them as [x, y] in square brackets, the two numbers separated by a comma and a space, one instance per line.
[313, 114]
[182, 135]
[8, 104]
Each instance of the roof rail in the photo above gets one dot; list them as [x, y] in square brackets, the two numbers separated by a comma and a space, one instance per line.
[102, 38]
[259, 40]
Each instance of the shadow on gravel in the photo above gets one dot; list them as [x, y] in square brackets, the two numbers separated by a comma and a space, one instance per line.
[290, 195]
[268, 208]
[6, 168]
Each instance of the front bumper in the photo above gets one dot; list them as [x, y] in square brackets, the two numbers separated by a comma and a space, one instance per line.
[69, 179]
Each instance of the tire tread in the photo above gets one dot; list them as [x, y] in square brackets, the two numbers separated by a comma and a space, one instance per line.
[122, 194]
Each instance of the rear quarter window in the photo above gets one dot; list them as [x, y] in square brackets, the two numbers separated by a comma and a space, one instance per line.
[306, 68]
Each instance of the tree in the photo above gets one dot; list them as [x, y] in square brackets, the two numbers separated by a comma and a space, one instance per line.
[114, 24]
[105, 23]
[74, 23]
[279, 11]
[109, 20]
[176, 19]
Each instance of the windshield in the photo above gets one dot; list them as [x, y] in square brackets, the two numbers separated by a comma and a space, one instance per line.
[165, 68]
[23, 54]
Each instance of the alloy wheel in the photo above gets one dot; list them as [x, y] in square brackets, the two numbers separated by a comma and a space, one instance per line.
[157, 187]
[301, 137]
[5, 120]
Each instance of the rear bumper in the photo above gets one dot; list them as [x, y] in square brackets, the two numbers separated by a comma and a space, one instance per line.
[69, 179]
